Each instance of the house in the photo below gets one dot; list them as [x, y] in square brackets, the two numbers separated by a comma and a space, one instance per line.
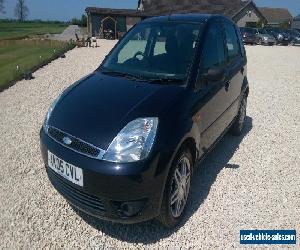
[277, 16]
[296, 22]
[249, 15]
[117, 20]
[244, 13]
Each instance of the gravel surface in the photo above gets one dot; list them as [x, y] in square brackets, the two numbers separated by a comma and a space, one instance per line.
[68, 34]
[247, 182]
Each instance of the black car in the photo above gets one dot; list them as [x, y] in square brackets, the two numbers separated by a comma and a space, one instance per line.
[282, 36]
[249, 35]
[295, 36]
[121, 144]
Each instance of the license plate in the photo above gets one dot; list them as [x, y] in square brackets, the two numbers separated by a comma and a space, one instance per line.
[66, 170]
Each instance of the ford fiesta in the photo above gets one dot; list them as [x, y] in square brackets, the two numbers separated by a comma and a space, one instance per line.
[121, 144]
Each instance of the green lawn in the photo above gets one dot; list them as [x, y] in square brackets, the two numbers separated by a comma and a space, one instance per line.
[27, 54]
[14, 30]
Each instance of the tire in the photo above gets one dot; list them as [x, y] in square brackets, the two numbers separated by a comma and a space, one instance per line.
[238, 124]
[259, 41]
[175, 197]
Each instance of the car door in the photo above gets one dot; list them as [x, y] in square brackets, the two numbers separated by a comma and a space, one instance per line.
[235, 71]
[212, 95]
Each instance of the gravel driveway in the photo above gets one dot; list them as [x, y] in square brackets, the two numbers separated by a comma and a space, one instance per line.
[68, 34]
[248, 182]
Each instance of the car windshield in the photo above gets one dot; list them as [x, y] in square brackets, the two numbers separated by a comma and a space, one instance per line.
[155, 52]
[283, 31]
[249, 30]
[273, 30]
[296, 33]
[263, 32]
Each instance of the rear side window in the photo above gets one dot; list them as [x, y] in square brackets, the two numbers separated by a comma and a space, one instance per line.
[232, 41]
[213, 54]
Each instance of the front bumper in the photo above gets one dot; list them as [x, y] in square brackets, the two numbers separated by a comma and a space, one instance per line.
[269, 41]
[283, 41]
[125, 193]
[296, 41]
[251, 40]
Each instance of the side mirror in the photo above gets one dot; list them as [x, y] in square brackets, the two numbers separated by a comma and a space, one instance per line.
[215, 75]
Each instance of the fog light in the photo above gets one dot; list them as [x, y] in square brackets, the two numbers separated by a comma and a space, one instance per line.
[129, 208]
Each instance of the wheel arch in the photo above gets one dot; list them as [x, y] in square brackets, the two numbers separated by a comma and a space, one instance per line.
[245, 87]
[190, 144]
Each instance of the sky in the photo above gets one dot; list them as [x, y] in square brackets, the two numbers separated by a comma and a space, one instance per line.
[65, 10]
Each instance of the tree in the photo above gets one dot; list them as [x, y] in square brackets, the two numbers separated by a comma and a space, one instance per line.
[260, 24]
[83, 20]
[285, 25]
[2, 6]
[80, 22]
[21, 10]
[75, 21]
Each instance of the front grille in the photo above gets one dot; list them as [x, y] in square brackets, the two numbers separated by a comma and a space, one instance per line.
[75, 196]
[77, 144]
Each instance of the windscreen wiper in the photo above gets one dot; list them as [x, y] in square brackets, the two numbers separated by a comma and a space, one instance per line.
[121, 74]
[166, 80]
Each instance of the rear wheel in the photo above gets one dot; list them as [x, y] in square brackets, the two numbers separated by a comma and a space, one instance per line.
[177, 189]
[237, 126]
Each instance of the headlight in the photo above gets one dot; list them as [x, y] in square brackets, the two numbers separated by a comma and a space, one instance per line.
[134, 141]
[265, 38]
[280, 36]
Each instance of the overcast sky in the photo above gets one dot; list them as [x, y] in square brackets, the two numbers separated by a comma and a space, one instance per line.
[65, 10]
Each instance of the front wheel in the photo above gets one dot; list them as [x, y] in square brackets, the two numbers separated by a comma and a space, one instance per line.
[260, 42]
[177, 189]
[238, 125]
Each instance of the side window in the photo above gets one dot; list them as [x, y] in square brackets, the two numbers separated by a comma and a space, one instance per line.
[232, 42]
[160, 45]
[213, 54]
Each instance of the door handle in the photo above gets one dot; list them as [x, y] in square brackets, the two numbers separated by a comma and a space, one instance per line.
[227, 84]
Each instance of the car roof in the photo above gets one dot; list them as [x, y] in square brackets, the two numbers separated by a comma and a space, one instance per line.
[195, 18]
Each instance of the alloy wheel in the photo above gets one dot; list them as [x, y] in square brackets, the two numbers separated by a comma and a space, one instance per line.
[243, 111]
[259, 41]
[180, 187]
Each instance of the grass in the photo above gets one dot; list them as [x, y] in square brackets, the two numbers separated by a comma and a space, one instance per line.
[28, 54]
[16, 30]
